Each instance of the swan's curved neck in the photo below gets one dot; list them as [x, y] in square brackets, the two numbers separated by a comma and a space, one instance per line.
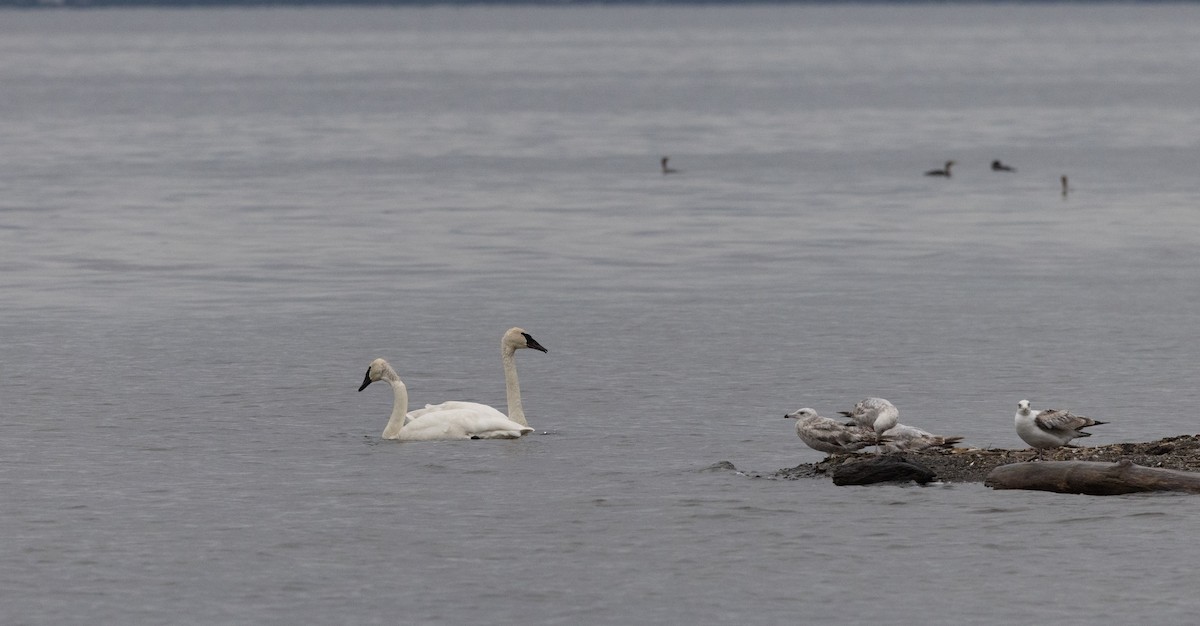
[512, 387]
[399, 404]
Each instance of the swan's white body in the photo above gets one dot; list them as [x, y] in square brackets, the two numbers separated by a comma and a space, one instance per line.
[450, 423]
[514, 339]
[829, 435]
[452, 405]
[1050, 428]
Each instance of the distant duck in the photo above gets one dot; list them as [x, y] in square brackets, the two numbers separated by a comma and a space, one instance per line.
[997, 166]
[668, 170]
[1065, 187]
[942, 172]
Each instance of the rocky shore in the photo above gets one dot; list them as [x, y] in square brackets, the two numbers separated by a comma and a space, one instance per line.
[973, 464]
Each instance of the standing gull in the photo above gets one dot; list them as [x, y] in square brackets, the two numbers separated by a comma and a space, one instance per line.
[1050, 428]
[875, 414]
[829, 435]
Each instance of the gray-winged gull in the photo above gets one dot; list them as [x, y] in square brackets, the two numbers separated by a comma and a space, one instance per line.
[1050, 428]
[829, 435]
[876, 415]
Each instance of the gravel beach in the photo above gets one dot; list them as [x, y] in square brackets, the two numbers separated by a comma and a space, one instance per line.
[973, 464]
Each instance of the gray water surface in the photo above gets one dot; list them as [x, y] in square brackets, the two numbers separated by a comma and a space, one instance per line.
[212, 220]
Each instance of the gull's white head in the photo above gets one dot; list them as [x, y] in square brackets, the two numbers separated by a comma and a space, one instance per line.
[517, 338]
[1023, 407]
[801, 414]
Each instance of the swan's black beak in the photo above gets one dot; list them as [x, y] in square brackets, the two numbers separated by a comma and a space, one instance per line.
[530, 342]
[366, 380]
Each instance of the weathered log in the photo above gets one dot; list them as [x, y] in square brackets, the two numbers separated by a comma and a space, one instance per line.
[1091, 478]
[882, 469]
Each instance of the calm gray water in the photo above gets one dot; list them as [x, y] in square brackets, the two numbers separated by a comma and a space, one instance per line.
[212, 220]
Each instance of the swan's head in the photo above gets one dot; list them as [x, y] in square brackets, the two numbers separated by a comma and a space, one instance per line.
[374, 372]
[801, 414]
[1023, 407]
[517, 338]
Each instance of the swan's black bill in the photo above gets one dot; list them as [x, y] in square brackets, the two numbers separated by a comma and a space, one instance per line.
[532, 343]
[366, 380]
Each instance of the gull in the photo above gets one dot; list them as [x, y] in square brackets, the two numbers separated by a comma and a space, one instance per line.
[1050, 428]
[877, 415]
[829, 435]
[903, 438]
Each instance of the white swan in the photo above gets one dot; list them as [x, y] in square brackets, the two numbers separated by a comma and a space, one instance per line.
[514, 339]
[462, 423]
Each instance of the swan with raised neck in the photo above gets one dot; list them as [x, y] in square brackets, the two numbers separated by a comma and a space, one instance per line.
[514, 339]
[462, 423]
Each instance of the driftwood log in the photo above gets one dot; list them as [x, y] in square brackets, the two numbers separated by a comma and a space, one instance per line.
[882, 469]
[1091, 478]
